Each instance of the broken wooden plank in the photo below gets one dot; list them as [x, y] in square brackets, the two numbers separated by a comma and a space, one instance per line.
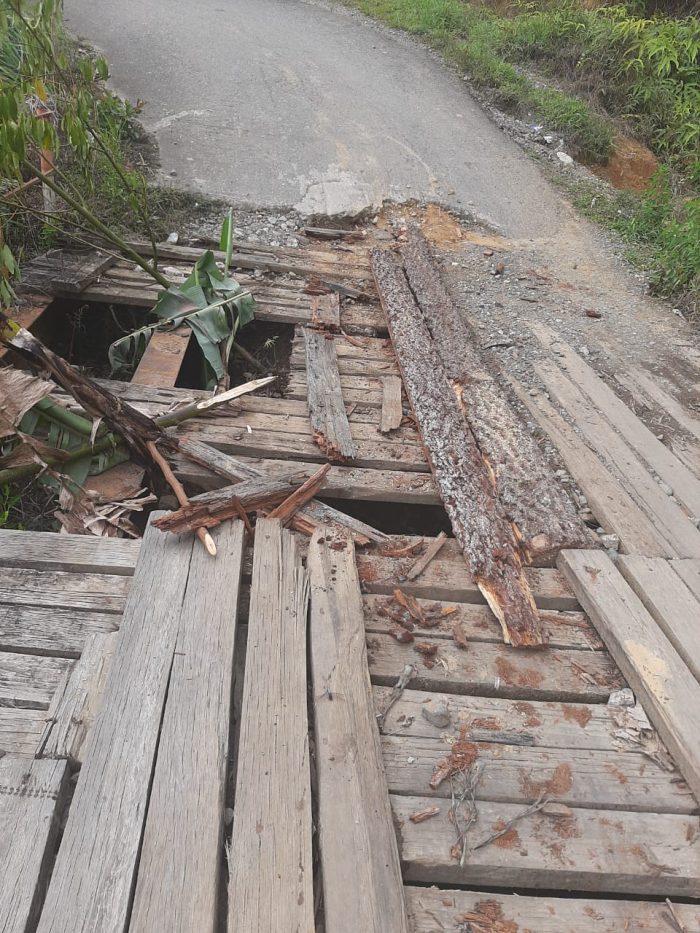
[163, 357]
[612, 506]
[514, 773]
[92, 882]
[658, 675]
[44, 550]
[271, 881]
[587, 850]
[669, 601]
[432, 909]
[392, 410]
[431, 552]
[178, 877]
[76, 701]
[325, 312]
[32, 795]
[327, 415]
[286, 510]
[463, 477]
[353, 799]
[526, 486]
[568, 676]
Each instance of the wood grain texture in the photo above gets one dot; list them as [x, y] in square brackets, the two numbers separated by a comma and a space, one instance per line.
[353, 800]
[527, 488]
[431, 910]
[464, 479]
[179, 869]
[325, 312]
[689, 572]
[163, 357]
[75, 703]
[43, 550]
[29, 680]
[591, 850]
[32, 795]
[667, 690]
[20, 730]
[329, 421]
[614, 508]
[271, 884]
[392, 409]
[670, 602]
[47, 631]
[92, 882]
[57, 589]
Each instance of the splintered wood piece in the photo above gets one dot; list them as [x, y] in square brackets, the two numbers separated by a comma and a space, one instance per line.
[286, 510]
[532, 497]
[424, 560]
[32, 794]
[353, 797]
[177, 886]
[327, 415]
[653, 668]
[464, 479]
[392, 411]
[306, 519]
[325, 312]
[93, 878]
[212, 508]
[271, 869]
[180, 494]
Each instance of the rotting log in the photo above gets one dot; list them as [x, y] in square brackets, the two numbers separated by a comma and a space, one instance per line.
[543, 514]
[329, 420]
[465, 481]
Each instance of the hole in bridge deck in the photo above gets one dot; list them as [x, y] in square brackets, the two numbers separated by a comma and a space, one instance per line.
[395, 518]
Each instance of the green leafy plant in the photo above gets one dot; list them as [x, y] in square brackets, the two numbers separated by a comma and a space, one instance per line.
[8, 501]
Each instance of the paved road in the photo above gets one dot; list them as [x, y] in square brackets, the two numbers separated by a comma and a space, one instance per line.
[288, 103]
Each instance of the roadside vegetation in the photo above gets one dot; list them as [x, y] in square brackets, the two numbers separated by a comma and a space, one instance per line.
[587, 72]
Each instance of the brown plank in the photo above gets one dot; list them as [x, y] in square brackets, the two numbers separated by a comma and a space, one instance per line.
[353, 801]
[161, 362]
[590, 850]
[325, 312]
[526, 486]
[463, 478]
[270, 883]
[27, 316]
[327, 415]
[433, 909]
[392, 410]
[666, 688]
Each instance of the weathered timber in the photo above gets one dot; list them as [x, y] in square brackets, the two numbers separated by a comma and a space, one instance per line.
[689, 572]
[543, 513]
[27, 317]
[75, 703]
[431, 552]
[271, 883]
[20, 730]
[32, 794]
[325, 312]
[616, 852]
[163, 357]
[58, 632]
[352, 791]
[658, 675]
[102, 591]
[43, 550]
[71, 270]
[669, 601]
[329, 421]
[178, 878]
[92, 883]
[392, 410]
[432, 909]
[286, 510]
[29, 680]
[464, 479]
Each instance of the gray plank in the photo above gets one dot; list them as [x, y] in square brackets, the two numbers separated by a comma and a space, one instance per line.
[178, 879]
[43, 550]
[353, 799]
[29, 680]
[20, 730]
[270, 885]
[32, 794]
[51, 630]
[93, 878]
[327, 415]
[59, 589]
[392, 409]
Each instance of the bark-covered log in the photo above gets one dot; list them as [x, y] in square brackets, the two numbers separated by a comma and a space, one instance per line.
[465, 481]
[545, 518]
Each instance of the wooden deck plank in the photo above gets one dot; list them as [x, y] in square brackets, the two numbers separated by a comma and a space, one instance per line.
[52, 632]
[179, 868]
[30, 681]
[589, 850]
[494, 670]
[44, 550]
[75, 703]
[32, 795]
[433, 909]
[271, 884]
[392, 409]
[20, 730]
[26, 317]
[666, 688]
[162, 359]
[462, 475]
[689, 572]
[669, 601]
[92, 882]
[104, 592]
[329, 421]
[518, 774]
[353, 801]
[613, 507]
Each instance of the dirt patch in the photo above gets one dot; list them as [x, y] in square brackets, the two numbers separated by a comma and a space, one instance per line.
[580, 714]
[528, 711]
[631, 165]
[509, 839]
[558, 785]
[489, 724]
[517, 677]
[487, 917]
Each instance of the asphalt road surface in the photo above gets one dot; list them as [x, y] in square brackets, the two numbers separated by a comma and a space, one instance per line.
[289, 103]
